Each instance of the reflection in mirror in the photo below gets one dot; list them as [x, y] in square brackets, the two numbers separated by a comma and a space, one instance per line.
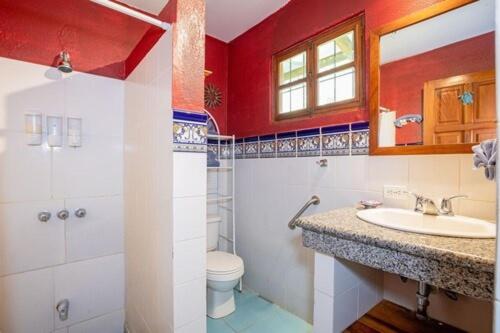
[437, 79]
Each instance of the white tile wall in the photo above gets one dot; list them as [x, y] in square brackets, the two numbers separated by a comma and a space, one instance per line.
[93, 287]
[95, 169]
[29, 295]
[26, 243]
[189, 303]
[19, 179]
[148, 206]
[190, 170]
[188, 224]
[274, 255]
[109, 323]
[99, 233]
[35, 269]
[323, 312]
[189, 261]
[198, 326]
[190, 246]
[343, 291]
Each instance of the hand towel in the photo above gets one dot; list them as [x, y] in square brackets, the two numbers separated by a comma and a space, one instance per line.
[485, 155]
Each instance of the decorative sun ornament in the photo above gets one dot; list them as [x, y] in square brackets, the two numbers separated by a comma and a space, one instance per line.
[213, 96]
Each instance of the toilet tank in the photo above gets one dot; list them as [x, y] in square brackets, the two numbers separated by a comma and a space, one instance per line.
[213, 232]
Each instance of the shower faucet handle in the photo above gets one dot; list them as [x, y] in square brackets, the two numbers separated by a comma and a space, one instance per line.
[44, 216]
[80, 212]
[63, 214]
[62, 309]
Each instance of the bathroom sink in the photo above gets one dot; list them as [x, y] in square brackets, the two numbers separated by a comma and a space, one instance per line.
[451, 226]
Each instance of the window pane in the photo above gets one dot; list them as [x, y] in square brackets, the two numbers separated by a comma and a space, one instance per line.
[336, 52]
[293, 69]
[336, 87]
[293, 98]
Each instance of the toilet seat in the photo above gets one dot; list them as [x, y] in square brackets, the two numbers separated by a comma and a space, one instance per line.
[223, 266]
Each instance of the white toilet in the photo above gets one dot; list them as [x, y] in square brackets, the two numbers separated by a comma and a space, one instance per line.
[224, 271]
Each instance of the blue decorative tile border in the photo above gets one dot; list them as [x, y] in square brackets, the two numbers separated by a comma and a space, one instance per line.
[360, 138]
[267, 146]
[190, 135]
[335, 140]
[338, 140]
[239, 149]
[251, 147]
[309, 142]
[190, 132]
[286, 144]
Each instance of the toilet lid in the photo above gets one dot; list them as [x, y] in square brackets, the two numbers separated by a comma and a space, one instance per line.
[222, 262]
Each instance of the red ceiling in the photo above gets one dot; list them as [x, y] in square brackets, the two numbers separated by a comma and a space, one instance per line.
[99, 40]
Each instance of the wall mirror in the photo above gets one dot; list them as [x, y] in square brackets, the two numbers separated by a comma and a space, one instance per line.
[432, 80]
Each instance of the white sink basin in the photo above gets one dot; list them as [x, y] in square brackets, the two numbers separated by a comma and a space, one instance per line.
[451, 226]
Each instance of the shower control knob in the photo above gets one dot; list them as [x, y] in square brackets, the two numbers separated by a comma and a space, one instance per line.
[63, 214]
[62, 308]
[44, 217]
[80, 212]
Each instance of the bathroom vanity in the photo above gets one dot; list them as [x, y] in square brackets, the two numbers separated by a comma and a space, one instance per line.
[351, 256]
[462, 265]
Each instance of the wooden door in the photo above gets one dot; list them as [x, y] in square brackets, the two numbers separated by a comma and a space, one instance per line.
[448, 119]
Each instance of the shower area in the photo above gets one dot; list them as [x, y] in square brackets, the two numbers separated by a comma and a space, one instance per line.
[61, 199]
[73, 127]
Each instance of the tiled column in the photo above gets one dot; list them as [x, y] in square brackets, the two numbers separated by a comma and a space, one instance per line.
[190, 199]
[343, 292]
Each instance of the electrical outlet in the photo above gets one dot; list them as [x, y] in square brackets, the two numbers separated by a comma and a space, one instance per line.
[395, 192]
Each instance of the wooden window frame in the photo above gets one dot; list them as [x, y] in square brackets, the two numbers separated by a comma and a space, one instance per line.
[310, 46]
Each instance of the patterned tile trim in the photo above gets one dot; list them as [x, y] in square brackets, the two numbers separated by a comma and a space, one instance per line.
[335, 140]
[226, 150]
[338, 140]
[360, 138]
[239, 149]
[190, 132]
[252, 147]
[267, 146]
[287, 144]
[309, 142]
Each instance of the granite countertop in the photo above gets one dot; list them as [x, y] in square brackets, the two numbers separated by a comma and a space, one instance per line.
[433, 259]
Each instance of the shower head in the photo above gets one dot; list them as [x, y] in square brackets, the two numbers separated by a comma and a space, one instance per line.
[64, 63]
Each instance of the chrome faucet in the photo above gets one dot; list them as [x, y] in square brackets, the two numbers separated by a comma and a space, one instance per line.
[446, 206]
[428, 206]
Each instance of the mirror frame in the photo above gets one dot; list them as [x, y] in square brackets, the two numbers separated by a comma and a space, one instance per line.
[374, 89]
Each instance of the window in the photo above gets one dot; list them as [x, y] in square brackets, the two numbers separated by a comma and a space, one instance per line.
[321, 74]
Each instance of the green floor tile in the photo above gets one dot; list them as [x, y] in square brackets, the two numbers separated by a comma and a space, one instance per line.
[281, 321]
[255, 315]
[217, 326]
[242, 297]
[249, 312]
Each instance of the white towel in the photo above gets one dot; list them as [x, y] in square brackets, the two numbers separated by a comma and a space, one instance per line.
[485, 155]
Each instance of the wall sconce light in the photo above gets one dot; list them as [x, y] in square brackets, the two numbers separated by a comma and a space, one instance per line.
[54, 131]
[33, 128]
[74, 132]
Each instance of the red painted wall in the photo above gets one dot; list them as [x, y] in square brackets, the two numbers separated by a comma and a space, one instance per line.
[98, 39]
[104, 42]
[249, 107]
[152, 35]
[402, 85]
[216, 60]
[188, 37]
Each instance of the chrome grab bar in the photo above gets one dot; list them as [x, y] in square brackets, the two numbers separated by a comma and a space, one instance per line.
[313, 201]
